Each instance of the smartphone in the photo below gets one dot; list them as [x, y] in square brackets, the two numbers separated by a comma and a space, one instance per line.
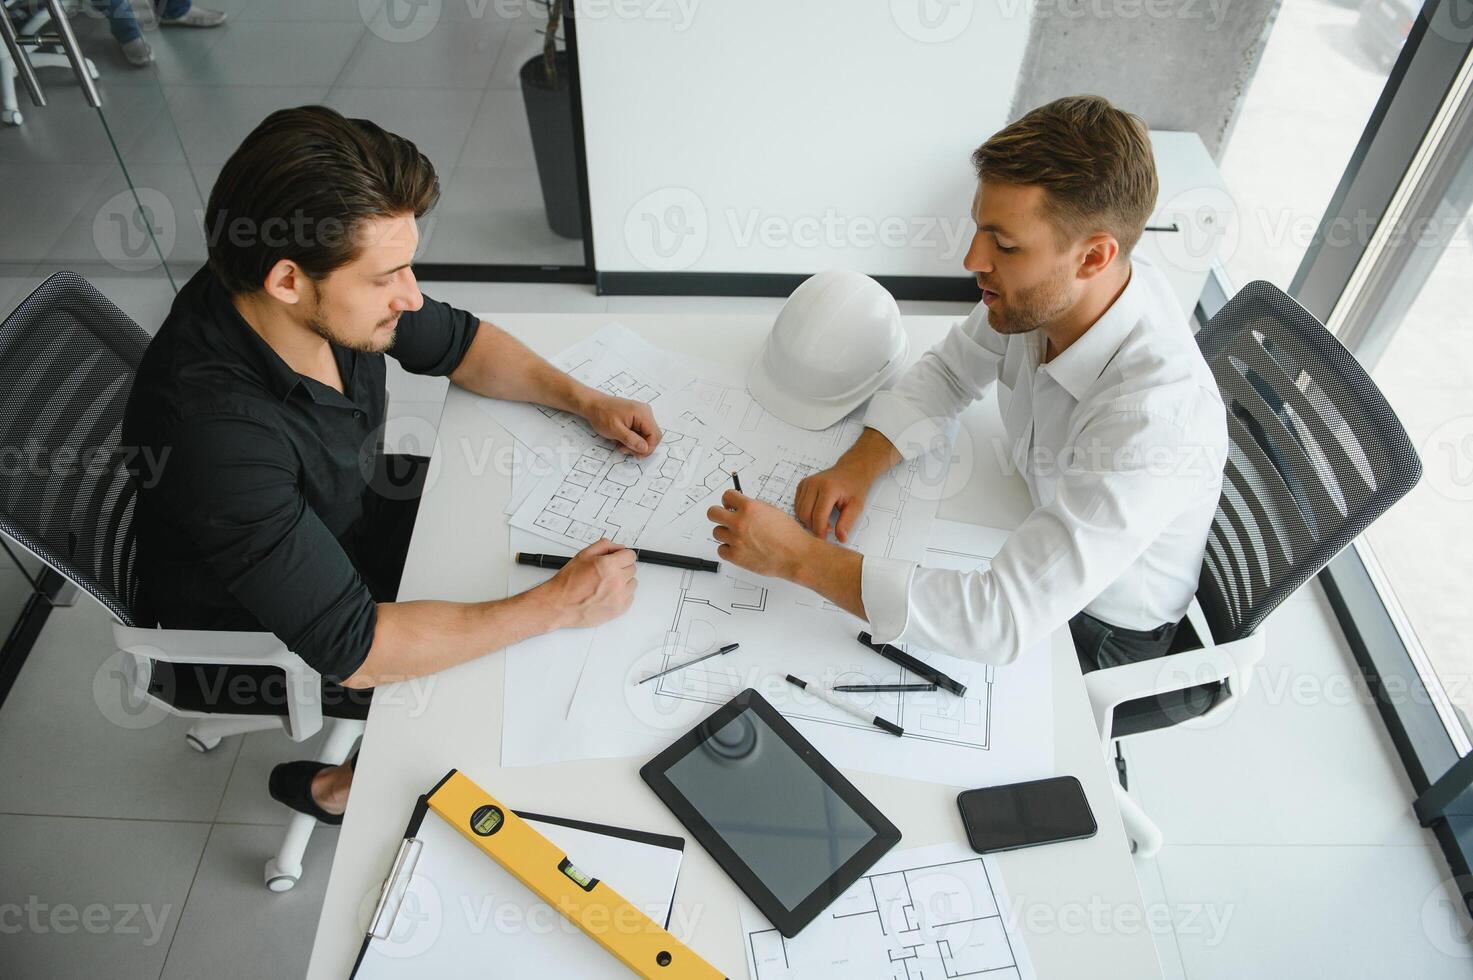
[1004, 818]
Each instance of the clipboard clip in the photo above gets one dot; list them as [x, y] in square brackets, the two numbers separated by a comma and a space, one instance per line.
[395, 887]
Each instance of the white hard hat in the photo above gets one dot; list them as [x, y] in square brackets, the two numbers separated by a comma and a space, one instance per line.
[836, 341]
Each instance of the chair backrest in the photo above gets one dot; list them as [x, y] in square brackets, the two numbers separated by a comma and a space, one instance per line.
[1315, 455]
[67, 360]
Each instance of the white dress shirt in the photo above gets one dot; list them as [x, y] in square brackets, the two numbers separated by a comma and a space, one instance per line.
[1121, 439]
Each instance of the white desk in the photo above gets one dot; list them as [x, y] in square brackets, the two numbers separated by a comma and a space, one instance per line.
[1078, 903]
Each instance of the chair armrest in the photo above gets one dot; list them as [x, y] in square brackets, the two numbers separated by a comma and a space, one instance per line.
[227, 648]
[1232, 662]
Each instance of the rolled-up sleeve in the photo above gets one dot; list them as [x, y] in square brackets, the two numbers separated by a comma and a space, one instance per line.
[1111, 503]
[231, 484]
[433, 339]
[914, 413]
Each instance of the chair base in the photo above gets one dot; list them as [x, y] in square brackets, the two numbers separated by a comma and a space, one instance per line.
[284, 870]
[1145, 836]
[205, 735]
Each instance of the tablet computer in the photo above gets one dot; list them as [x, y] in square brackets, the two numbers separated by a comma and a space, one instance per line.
[788, 828]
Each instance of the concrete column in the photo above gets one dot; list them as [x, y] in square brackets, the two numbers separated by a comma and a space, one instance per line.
[1178, 64]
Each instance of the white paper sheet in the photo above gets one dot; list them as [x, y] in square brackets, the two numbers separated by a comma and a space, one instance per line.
[466, 916]
[938, 911]
[541, 676]
[1001, 730]
[615, 360]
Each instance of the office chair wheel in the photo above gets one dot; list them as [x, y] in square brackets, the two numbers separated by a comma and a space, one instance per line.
[199, 744]
[11, 118]
[278, 880]
[92, 70]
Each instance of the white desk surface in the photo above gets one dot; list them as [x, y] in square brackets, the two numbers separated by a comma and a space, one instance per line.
[1078, 904]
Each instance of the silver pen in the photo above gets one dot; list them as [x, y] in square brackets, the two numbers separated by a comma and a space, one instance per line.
[705, 656]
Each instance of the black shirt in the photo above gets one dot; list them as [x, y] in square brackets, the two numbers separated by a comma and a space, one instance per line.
[252, 478]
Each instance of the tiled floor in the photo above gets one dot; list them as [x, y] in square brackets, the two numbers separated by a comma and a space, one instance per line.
[1291, 850]
[452, 89]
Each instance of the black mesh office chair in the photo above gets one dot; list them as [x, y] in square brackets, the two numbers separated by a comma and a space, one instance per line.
[67, 360]
[1315, 455]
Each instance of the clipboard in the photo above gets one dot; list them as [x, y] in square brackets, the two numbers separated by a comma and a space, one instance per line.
[443, 907]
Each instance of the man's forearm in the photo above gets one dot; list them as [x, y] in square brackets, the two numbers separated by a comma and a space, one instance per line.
[498, 365]
[873, 451]
[835, 573]
[412, 639]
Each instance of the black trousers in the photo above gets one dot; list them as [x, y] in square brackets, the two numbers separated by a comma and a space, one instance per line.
[1098, 645]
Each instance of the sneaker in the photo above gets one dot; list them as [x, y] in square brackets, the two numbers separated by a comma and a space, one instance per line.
[138, 53]
[195, 17]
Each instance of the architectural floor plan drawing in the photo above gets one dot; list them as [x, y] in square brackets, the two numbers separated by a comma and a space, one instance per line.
[771, 455]
[931, 913]
[999, 730]
[610, 494]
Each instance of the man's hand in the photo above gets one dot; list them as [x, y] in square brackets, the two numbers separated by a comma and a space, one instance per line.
[758, 536]
[844, 485]
[594, 587]
[629, 423]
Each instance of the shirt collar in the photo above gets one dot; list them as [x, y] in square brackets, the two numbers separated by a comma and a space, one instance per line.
[275, 374]
[1080, 366]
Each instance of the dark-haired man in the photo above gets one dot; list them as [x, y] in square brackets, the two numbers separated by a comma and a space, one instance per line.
[265, 388]
[1111, 415]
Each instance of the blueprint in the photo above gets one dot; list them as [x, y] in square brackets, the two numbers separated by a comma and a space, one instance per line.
[608, 493]
[1001, 730]
[931, 912]
[573, 694]
[614, 360]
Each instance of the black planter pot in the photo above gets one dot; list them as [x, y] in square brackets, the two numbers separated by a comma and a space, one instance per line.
[550, 117]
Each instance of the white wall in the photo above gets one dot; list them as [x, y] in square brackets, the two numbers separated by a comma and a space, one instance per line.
[789, 136]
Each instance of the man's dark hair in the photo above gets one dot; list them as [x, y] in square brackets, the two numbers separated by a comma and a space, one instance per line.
[301, 185]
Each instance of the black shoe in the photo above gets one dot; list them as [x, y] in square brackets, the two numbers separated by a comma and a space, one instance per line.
[291, 785]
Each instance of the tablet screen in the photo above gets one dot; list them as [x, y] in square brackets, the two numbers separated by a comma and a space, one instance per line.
[770, 807]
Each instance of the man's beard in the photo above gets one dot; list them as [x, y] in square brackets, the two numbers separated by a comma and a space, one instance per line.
[1029, 309]
[321, 328]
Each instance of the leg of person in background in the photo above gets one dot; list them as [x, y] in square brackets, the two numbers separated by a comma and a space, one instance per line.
[127, 32]
[183, 13]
